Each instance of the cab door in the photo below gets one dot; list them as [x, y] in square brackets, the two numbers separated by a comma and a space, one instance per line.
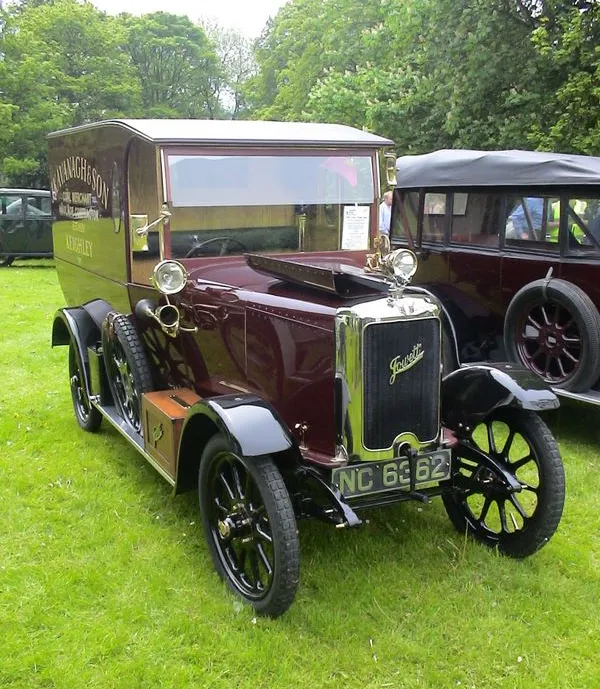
[38, 224]
[530, 240]
[419, 221]
[13, 238]
[474, 285]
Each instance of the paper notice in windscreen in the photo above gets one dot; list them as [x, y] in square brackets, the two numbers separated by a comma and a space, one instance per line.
[355, 231]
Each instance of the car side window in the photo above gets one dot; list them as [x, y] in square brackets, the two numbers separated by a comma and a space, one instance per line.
[434, 217]
[475, 219]
[405, 216]
[533, 221]
[583, 225]
[11, 205]
[37, 206]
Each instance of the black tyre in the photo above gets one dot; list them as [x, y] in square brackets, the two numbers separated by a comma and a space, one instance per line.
[521, 518]
[250, 526]
[127, 368]
[6, 261]
[88, 417]
[553, 328]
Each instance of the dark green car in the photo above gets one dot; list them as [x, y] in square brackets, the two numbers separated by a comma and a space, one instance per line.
[25, 224]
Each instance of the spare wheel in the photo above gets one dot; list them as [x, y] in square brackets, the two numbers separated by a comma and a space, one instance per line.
[553, 328]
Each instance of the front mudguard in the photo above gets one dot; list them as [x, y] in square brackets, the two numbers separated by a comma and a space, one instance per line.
[252, 427]
[471, 393]
[80, 326]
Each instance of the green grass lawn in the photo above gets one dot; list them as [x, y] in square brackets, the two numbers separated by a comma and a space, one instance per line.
[105, 579]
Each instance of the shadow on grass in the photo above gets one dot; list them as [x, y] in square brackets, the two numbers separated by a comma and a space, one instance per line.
[34, 263]
[578, 422]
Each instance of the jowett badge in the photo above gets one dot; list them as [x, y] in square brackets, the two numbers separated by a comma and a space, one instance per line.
[157, 432]
[400, 364]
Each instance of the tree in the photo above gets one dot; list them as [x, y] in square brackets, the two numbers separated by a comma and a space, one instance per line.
[176, 64]
[237, 66]
[568, 42]
[62, 66]
[439, 74]
[436, 73]
[300, 44]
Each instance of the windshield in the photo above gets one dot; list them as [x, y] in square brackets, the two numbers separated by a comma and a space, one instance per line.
[224, 204]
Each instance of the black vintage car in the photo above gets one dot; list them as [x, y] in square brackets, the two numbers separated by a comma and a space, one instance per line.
[231, 310]
[25, 224]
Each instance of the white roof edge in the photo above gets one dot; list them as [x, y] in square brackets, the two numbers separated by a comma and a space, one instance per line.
[240, 132]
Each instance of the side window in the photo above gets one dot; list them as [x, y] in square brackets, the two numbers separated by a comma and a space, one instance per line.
[11, 205]
[533, 220]
[476, 219]
[37, 206]
[406, 205]
[434, 217]
[583, 225]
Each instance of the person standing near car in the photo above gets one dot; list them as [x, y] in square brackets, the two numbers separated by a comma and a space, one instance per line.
[385, 213]
[527, 217]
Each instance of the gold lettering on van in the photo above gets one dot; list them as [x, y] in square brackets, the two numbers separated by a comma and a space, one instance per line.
[79, 245]
[78, 167]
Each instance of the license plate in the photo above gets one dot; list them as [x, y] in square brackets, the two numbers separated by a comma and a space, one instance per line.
[376, 477]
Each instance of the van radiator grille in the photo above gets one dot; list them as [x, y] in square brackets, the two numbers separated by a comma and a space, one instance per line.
[407, 402]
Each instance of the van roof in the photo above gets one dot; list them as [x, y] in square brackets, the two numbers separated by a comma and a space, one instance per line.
[240, 132]
[467, 168]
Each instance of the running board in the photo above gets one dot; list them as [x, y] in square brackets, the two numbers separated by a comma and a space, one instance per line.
[591, 396]
[135, 439]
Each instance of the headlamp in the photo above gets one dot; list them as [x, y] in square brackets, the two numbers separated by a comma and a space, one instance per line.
[401, 264]
[169, 277]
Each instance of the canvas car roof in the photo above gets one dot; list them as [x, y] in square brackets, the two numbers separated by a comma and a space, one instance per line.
[240, 132]
[467, 168]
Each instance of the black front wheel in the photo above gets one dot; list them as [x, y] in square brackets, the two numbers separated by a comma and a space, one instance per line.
[509, 483]
[250, 526]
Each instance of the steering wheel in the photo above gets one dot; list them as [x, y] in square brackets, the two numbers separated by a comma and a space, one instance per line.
[226, 244]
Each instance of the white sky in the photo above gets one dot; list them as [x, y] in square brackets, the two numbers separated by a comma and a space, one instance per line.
[246, 16]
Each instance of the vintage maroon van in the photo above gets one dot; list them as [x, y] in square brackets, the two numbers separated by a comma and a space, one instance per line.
[231, 310]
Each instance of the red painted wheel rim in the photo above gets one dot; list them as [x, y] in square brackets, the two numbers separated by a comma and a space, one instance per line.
[549, 342]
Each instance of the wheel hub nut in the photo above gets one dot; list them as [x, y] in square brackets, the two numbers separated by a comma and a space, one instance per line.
[224, 528]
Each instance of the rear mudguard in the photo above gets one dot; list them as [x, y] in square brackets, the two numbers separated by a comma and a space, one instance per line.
[471, 393]
[82, 326]
[251, 425]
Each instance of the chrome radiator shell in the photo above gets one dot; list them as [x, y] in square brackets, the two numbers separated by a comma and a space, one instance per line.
[388, 376]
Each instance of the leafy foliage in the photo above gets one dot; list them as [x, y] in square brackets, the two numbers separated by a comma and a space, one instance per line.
[64, 63]
[62, 66]
[568, 41]
[426, 73]
[436, 73]
[237, 66]
[176, 66]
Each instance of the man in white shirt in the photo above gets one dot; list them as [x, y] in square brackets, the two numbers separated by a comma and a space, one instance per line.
[385, 213]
